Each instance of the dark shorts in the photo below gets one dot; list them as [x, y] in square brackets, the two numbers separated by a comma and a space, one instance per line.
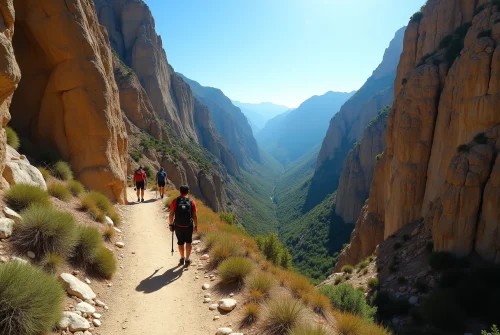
[184, 235]
[139, 185]
[161, 183]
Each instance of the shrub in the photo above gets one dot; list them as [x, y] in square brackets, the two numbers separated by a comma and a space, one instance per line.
[149, 172]
[51, 262]
[484, 33]
[256, 296]
[62, 170]
[44, 230]
[378, 157]
[21, 196]
[347, 299]
[440, 261]
[89, 242]
[417, 17]
[441, 309]
[136, 156]
[30, 300]
[12, 138]
[286, 259]
[251, 314]
[90, 206]
[101, 201]
[283, 314]
[234, 270]
[75, 187]
[169, 200]
[99, 206]
[365, 271]
[397, 245]
[363, 264]
[404, 81]
[338, 280]
[494, 331]
[109, 233]
[59, 191]
[45, 173]
[445, 42]
[319, 303]
[306, 329]
[228, 218]
[481, 138]
[222, 250]
[373, 283]
[347, 269]
[105, 263]
[299, 285]
[261, 282]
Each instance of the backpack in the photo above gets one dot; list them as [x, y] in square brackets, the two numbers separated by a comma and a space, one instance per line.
[162, 175]
[183, 212]
[138, 175]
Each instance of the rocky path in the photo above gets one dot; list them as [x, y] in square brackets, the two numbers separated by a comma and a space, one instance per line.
[153, 295]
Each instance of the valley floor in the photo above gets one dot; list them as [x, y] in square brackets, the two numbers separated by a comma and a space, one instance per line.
[152, 294]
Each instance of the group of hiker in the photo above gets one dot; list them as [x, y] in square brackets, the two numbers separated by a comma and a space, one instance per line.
[182, 218]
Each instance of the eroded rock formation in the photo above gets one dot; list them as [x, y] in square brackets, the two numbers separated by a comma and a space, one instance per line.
[68, 98]
[442, 138]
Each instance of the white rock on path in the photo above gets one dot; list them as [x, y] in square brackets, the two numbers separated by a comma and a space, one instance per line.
[109, 221]
[204, 257]
[213, 307]
[236, 334]
[227, 304]
[195, 242]
[206, 300]
[120, 244]
[100, 303]
[207, 295]
[224, 331]
[6, 227]
[77, 288]
[205, 286]
[85, 308]
[96, 315]
[12, 214]
[96, 322]
[118, 230]
[73, 322]
[216, 317]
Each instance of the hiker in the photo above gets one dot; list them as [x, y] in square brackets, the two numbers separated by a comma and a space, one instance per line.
[161, 179]
[140, 180]
[181, 218]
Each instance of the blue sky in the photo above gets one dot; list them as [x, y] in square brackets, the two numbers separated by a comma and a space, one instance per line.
[281, 51]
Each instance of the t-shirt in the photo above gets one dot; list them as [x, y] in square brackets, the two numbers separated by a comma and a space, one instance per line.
[139, 177]
[174, 204]
[161, 176]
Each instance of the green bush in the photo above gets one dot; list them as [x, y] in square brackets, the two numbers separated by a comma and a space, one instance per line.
[347, 269]
[347, 299]
[75, 187]
[21, 196]
[262, 282]
[45, 230]
[51, 262]
[31, 301]
[45, 173]
[286, 259]
[440, 261]
[494, 331]
[105, 263]
[109, 233]
[443, 310]
[251, 314]
[12, 138]
[89, 242]
[306, 329]
[378, 157]
[283, 314]
[59, 191]
[234, 270]
[338, 280]
[417, 17]
[149, 172]
[136, 156]
[373, 283]
[61, 170]
[99, 206]
[363, 264]
[222, 250]
[228, 218]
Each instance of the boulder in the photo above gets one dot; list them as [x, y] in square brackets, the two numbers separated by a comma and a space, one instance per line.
[227, 304]
[20, 171]
[6, 226]
[224, 331]
[85, 308]
[11, 214]
[73, 322]
[75, 287]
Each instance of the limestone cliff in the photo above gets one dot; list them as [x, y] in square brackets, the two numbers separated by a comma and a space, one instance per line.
[347, 126]
[442, 135]
[359, 165]
[67, 98]
[9, 72]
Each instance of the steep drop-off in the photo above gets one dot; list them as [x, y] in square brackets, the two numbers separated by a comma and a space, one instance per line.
[67, 98]
[347, 126]
[442, 135]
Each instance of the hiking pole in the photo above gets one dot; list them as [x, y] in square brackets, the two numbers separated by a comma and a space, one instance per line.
[173, 228]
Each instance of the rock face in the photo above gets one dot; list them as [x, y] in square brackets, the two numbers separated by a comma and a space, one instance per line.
[68, 98]
[347, 126]
[18, 170]
[9, 72]
[359, 165]
[442, 137]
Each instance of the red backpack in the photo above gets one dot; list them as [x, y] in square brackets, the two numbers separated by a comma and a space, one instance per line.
[138, 175]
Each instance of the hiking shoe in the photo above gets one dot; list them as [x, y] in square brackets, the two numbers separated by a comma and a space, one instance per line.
[187, 262]
[162, 196]
[138, 199]
[142, 200]
[181, 261]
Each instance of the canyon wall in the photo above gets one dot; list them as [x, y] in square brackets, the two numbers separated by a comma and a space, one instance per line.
[440, 164]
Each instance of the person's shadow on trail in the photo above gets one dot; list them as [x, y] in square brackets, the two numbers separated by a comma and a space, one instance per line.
[153, 284]
[133, 203]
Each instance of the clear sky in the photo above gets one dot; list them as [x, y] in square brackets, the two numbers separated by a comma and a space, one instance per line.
[281, 51]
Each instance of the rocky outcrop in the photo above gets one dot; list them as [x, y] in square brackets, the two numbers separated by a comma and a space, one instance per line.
[442, 136]
[68, 98]
[359, 165]
[347, 126]
[9, 72]
[18, 170]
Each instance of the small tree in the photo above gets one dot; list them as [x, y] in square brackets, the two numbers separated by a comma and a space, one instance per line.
[272, 248]
[286, 259]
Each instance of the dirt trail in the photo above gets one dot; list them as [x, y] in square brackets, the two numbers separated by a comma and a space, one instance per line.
[152, 294]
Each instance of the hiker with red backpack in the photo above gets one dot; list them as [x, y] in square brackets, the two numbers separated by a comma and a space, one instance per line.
[183, 220]
[140, 180]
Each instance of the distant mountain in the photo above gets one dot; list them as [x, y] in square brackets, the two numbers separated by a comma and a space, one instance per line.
[229, 121]
[291, 135]
[259, 114]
